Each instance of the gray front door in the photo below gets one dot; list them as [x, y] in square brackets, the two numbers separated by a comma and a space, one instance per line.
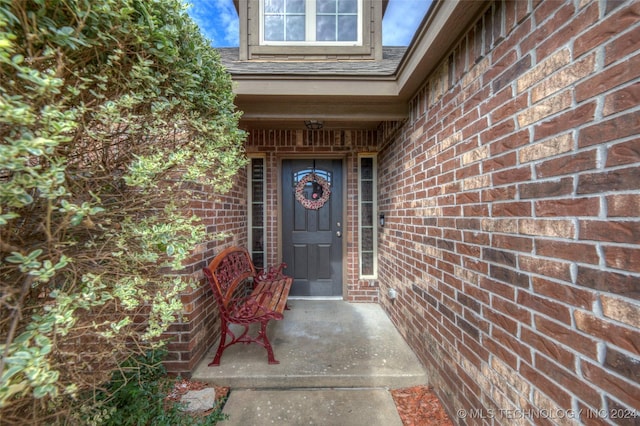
[312, 238]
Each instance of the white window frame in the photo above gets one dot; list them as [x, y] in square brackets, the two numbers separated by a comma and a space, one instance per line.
[250, 202]
[374, 212]
[310, 29]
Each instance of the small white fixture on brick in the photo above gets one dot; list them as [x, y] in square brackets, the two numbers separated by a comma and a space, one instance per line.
[392, 293]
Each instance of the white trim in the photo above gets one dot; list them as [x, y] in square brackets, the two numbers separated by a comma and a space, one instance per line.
[374, 213]
[309, 21]
[252, 157]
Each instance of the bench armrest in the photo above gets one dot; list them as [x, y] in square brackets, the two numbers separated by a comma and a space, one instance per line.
[271, 274]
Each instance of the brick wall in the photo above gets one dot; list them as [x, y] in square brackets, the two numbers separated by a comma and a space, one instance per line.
[512, 202]
[199, 328]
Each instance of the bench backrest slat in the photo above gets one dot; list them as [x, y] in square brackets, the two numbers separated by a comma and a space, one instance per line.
[229, 269]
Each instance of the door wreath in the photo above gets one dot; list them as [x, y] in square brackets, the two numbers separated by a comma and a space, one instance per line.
[320, 194]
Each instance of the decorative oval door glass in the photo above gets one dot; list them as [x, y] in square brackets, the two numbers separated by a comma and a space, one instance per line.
[313, 189]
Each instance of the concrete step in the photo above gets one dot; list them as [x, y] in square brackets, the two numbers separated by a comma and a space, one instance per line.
[335, 407]
[321, 344]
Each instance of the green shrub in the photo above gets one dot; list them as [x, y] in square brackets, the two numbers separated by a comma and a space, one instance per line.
[114, 115]
[136, 395]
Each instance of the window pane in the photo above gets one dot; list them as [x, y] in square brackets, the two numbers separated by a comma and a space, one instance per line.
[326, 28]
[347, 28]
[347, 6]
[258, 190]
[295, 6]
[326, 6]
[258, 244]
[367, 239]
[257, 171]
[336, 20]
[366, 192]
[367, 263]
[368, 227]
[366, 168]
[274, 28]
[256, 200]
[298, 176]
[295, 28]
[274, 6]
[367, 214]
[258, 213]
[258, 260]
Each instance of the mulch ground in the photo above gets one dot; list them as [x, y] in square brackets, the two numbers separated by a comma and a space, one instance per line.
[417, 405]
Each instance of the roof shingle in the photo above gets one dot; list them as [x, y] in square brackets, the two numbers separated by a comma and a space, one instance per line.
[386, 67]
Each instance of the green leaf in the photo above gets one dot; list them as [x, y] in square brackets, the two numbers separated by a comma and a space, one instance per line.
[113, 111]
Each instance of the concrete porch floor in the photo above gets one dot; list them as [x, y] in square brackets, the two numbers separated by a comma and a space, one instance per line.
[337, 362]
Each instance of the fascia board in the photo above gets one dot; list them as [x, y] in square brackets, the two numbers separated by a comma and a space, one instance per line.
[326, 109]
[315, 87]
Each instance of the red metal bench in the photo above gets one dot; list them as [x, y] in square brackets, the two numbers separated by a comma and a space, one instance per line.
[243, 302]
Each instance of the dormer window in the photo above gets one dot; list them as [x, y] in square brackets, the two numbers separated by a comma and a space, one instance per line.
[311, 22]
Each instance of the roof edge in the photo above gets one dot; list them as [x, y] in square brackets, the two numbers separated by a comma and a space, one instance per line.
[443, 25]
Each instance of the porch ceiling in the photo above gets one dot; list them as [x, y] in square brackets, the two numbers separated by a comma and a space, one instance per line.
[345, 94]
[336, 111]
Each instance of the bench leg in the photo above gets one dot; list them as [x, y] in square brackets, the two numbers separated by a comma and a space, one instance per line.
[263, 336]
[261, 339]
[221, 347]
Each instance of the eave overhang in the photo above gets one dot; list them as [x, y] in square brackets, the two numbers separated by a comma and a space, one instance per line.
[350, 99]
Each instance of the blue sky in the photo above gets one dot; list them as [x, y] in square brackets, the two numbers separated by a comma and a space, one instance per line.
[218, 21]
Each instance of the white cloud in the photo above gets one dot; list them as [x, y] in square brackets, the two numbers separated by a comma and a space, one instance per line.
[218, 21]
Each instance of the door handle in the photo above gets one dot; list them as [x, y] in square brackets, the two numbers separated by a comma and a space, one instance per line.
[338, 234]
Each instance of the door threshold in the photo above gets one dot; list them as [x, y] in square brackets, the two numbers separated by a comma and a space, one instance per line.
[315, 298]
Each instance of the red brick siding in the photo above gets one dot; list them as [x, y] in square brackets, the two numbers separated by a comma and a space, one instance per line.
[512, 202]
[197, 332]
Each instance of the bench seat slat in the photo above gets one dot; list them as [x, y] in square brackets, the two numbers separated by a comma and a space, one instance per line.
[279, 290]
